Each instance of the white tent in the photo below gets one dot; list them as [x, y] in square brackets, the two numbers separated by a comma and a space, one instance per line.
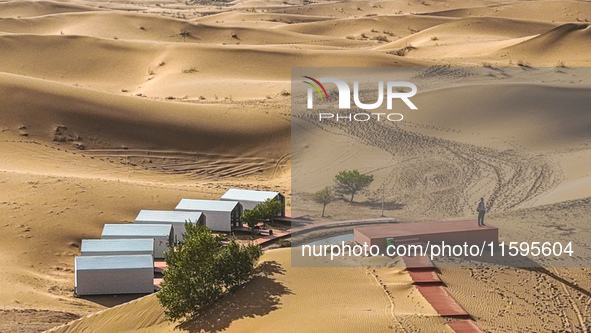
[109, 247]
[221, 215]
[162, 234]
[250, 198]
[110, 275]
[174, 217]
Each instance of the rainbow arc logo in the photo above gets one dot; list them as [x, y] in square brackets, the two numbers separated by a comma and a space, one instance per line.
[317, 87]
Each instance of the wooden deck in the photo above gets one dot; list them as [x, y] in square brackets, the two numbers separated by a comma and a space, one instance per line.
[264, 240]
[450, 232]
[310, 226]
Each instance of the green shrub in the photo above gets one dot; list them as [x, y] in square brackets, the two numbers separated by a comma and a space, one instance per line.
[202, 270]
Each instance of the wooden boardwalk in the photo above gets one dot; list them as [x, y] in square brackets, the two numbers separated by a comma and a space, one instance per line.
[464, 326]
[418, 263]
[442, 301]
[309, 226]
[265, 240]
[424, 277]
[422, 271]
[322, 225]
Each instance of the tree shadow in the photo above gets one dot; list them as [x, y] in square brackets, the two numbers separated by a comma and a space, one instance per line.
[259, 297]
[388, 205]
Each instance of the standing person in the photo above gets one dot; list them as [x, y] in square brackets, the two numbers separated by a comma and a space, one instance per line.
[481, 211]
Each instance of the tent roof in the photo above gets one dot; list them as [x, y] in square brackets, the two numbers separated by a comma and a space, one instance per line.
[114, 262]
[136, 229]
[146, 215]
[117, 245]
[206, 205]
[248, 195]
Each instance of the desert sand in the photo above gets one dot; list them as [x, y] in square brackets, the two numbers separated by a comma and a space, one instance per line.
[353, 299]
[112, 107]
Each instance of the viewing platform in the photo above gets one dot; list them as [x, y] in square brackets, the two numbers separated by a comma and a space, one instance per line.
[450, 232]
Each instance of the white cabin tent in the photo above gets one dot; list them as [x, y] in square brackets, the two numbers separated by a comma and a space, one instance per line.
[221, 215]
[250, 198]
[174, 217]
[162, 234]
[117, 247]
[111, 275]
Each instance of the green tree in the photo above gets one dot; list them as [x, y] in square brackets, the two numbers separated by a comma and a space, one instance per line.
[201, 270]
[236, 264]
[351, 182]
[251, 218]
[265, 211]
[324, 197]
[269, 209]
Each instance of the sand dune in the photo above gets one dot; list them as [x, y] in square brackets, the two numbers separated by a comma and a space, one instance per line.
[172, 69]
[449, 40]
[275, 19]
[389, 26]
[18, 9]
[550, 11]
[372, 8]
[471, 30]
[93, 114]
[568, 43]
[543, 108]
[146, 27]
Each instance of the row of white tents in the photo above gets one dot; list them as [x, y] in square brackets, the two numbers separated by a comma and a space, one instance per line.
[122, 261]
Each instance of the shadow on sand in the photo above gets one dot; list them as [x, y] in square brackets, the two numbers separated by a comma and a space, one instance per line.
[110, 301]
[259, 297]
[376, 205]
[524, 263]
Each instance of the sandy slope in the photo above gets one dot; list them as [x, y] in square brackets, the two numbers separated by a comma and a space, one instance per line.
[484, 35]
[92, 115]
[133, 26]
[353, 300]
[392, 26]
[554, 11]
[569, 41]
[270, 19]
[22, 9]
[371, 8]
[158, 69]
[541, 107]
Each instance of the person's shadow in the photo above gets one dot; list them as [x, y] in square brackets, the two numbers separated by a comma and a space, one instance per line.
[258, 297]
